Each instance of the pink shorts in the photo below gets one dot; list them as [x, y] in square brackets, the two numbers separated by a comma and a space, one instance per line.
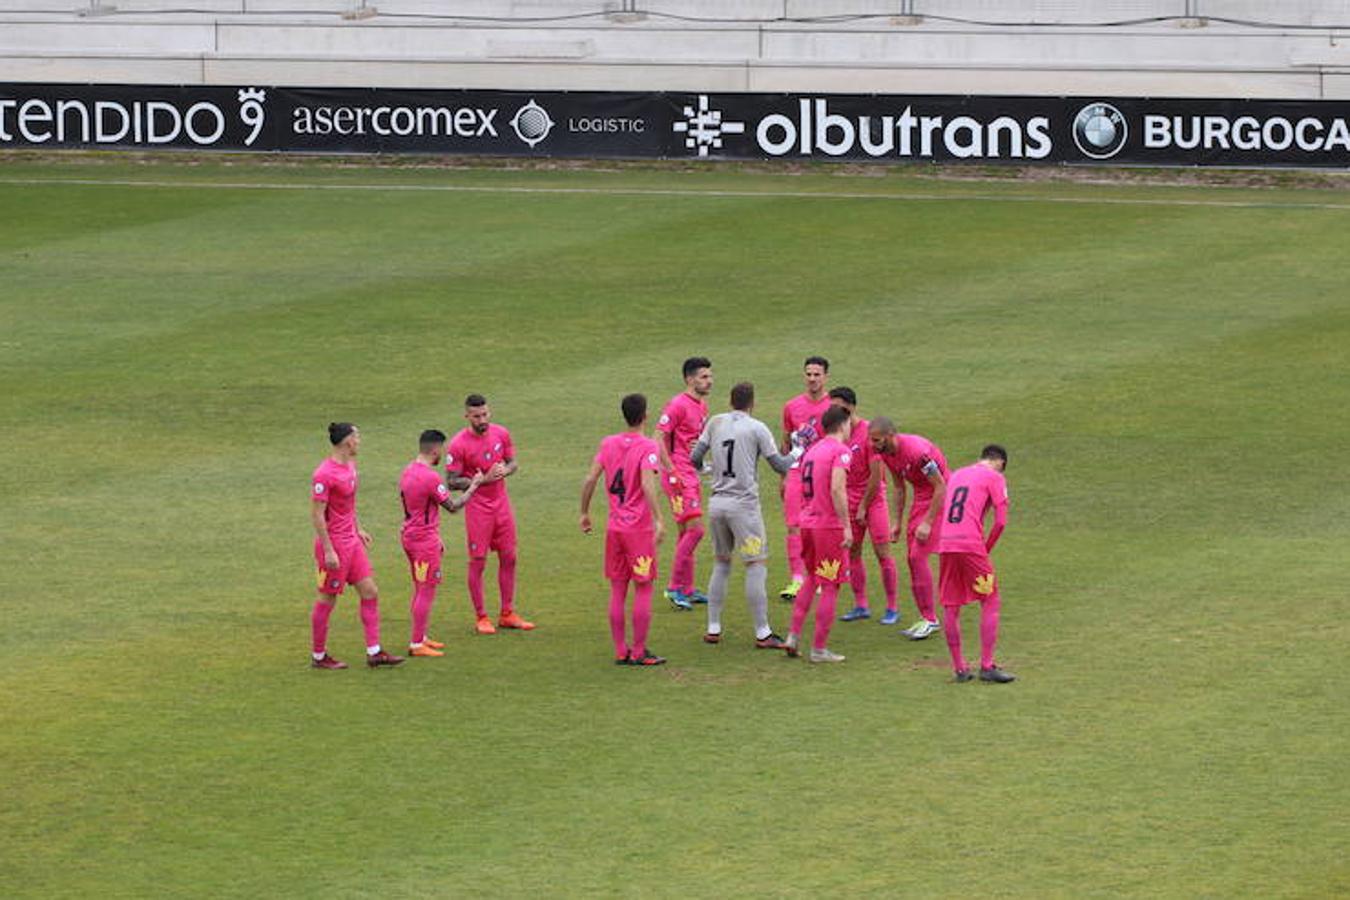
[424, 559]
[685, 494]
[353, 566]
[878, 524]
[916, 515]
[792, 498]
[824, 554]
[966, 578]
[489, 531]
[630, 555]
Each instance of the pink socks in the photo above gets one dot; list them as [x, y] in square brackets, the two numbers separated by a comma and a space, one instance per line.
[475, 579]
[506, 581]
[796, 564]
[858, 581]
[370, 620]
[988, 630]
[890, 582]
[921, 579]
[829, 594]
[618, 593]
[802, 605]
[682, 568]
[423, 596]
[951, 628]
[318, 626]
[642, 617]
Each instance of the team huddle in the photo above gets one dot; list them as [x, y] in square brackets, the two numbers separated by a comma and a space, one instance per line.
[835, 496]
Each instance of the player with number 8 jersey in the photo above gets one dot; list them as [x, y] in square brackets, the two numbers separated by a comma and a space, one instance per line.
[965, 573]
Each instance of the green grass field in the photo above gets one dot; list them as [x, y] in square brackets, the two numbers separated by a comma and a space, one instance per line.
[1167, 366]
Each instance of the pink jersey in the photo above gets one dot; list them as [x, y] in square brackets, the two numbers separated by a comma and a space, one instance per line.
[860, 469]
[970, 493]
[624, 457]
[470, 453]
[914, 458]
[818, 466]
[801, 419]
[335, 487]
[680, 425]
[422, 492]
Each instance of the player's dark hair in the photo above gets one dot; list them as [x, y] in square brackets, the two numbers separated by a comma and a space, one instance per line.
[817, 361]
[995, 451]
[844, 393]
[429, 439]
[743, 395]
[475, 400]
[694, 363]
[833, 418]
[634, 408]
[881, 425]
[339, 431]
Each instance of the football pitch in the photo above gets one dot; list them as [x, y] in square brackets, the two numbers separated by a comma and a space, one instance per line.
[1166, 365]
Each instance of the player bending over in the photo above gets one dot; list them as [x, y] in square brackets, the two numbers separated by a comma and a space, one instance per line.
[915, 460]
[630, 464]
[965, 574]
[867, 512]
[680, 425]
[737, 442]
[340, 550]
[826, 532]
[423, 496]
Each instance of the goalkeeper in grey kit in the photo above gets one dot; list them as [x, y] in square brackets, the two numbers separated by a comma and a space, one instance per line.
[735, 441]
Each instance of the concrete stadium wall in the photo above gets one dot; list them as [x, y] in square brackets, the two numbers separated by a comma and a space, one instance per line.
[1176, 48]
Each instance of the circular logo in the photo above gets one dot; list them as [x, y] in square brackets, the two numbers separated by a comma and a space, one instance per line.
[1100, 130]
[531, 123]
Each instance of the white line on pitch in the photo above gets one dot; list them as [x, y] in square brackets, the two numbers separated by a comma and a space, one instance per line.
[670, 192]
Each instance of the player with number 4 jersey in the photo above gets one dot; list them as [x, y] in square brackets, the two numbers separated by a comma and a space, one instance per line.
[629, 463]
[966, 574]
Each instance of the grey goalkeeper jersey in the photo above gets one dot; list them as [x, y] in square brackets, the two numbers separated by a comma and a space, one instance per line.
[734, 442]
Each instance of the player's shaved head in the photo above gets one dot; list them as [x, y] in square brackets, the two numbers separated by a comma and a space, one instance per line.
[743, 396]
[634, 407]
[430, 440]
[882, 425]
[834, 419]
[817, 361]
[339, 432]
[995, 453]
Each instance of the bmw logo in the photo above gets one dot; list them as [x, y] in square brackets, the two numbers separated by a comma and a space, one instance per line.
[1100, 130]
[531, 123]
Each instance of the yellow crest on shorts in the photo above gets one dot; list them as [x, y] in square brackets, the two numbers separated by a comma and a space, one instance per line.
[642, 566]
[320, 576]
[984, 584]
[752, 545]
[677, 505]
[828, 569]
[420, 571]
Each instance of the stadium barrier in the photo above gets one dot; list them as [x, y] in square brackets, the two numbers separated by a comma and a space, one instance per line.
[794, 127]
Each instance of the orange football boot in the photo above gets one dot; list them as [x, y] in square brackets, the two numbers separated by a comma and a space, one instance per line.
[484, 626]
[434, 645]
[423, 649]
[513, 620]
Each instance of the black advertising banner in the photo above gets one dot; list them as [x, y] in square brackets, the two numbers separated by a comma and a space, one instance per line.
[605, 124]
